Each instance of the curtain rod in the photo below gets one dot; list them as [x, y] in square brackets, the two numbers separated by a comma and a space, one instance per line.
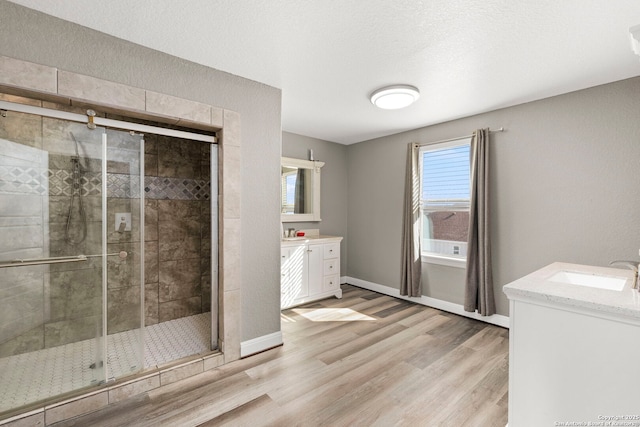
[454, 139]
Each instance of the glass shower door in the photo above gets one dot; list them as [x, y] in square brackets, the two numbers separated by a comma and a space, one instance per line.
[51, 291]
[71, 270]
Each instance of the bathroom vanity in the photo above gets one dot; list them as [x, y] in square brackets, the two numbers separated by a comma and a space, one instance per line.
[574, 347]
[310, 269]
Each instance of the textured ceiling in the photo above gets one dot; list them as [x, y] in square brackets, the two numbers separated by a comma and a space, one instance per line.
[327, 56]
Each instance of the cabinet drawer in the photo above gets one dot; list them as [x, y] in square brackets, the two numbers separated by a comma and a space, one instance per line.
[331, 250]
[331, 266]
[331, 283]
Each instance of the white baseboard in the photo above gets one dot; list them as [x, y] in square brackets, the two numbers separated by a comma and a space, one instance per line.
[256, 345]
[496, 319]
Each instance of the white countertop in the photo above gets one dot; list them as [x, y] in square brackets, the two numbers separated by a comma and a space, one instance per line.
[292, 241]
[536, 287]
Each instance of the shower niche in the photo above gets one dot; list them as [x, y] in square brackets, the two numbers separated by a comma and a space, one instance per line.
[106, 258]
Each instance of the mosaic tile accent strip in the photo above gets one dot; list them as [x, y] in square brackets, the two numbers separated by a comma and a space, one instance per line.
[59, 182]
[128, 187]
[18, 180]
[30, 377]
[176, 188]
[123, 186]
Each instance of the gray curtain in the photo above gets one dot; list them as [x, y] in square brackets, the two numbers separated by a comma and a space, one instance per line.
[479, 281]
[410, 283]
[300, 203]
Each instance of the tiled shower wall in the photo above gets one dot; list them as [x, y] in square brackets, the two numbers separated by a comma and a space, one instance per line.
[177, 228]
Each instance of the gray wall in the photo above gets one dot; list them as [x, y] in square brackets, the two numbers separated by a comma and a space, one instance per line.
[333, 190]
[565, 184]
[39, 38]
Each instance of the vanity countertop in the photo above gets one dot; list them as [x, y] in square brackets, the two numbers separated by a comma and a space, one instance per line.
[294, 241]
[536, 287]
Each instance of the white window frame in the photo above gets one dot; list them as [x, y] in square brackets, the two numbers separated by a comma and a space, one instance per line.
[459, 205]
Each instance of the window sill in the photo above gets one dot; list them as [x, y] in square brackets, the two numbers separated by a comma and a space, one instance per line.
[444, 260]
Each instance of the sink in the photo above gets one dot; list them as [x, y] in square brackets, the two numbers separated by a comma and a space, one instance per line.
[612, 283]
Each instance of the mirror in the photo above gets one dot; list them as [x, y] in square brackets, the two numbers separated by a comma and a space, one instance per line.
[300, 190]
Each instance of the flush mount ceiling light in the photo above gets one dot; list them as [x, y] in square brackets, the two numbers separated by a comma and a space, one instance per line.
[394, 97]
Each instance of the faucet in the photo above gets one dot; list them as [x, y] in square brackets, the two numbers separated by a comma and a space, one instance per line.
[633, 265]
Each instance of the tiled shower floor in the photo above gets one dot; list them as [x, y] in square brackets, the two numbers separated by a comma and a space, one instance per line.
[34, 376]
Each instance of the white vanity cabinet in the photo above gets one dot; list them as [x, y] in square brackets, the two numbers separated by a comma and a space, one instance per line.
[574, 349]
[310, 270]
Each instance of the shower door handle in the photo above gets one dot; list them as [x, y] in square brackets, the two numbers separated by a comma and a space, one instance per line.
[42, 261]
[55, 260]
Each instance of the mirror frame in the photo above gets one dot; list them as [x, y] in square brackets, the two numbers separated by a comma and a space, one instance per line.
[315, 166]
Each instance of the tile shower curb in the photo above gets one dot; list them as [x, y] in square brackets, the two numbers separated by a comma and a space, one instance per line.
[98, 399]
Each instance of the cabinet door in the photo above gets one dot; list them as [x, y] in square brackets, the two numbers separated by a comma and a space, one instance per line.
[316, 258]
[294, 274]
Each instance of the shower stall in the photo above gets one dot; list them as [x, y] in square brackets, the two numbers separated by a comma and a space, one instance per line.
[108, 249]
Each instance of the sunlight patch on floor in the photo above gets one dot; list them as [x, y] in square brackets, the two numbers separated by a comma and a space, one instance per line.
[331, 314]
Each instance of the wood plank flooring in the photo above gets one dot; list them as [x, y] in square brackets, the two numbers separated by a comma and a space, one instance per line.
[364, 360]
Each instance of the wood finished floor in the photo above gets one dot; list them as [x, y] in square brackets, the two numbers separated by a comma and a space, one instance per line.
[364, 360]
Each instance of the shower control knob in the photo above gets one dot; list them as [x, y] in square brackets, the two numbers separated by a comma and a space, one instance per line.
[123, 254]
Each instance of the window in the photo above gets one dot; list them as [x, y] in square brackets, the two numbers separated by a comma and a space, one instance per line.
[288, 189]
[444, 198]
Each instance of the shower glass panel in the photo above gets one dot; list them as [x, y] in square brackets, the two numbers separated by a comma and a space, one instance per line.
[70, 257]
[124, 231]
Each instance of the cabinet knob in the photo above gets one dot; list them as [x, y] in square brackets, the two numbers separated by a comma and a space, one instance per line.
[309, 250]
[330, 250]
[331, 266]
